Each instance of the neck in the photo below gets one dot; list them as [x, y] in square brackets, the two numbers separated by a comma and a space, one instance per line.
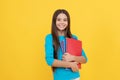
[61, 33]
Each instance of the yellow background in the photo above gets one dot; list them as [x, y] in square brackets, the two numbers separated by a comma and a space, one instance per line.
[24, 24]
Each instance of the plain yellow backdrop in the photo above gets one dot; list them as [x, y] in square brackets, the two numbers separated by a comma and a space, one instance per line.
[25, 23]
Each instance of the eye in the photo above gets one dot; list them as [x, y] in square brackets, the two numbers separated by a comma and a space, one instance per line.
[58, 19]
[65, 20]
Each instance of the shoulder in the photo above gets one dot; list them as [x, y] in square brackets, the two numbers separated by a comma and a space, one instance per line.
[74, 36]
[48, 37]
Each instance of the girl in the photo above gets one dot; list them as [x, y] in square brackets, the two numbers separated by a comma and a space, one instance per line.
[55, 58]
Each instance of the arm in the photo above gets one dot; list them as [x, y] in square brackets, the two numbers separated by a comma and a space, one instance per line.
[72, 65]
[80, 59]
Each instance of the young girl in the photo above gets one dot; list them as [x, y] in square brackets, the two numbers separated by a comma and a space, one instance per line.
[55, 57]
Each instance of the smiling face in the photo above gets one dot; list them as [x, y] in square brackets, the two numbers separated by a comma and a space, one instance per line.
[61, 22]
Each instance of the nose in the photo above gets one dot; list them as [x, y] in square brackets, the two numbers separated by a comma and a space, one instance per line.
[62, 22]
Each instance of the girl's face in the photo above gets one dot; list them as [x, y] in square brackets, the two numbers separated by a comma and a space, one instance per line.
[61, 21]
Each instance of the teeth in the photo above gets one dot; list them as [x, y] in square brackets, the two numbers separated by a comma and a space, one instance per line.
[61, 26]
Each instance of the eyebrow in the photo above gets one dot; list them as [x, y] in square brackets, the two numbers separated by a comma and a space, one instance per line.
[60, 18]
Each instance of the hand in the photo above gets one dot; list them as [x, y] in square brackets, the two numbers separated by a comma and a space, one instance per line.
[67, 57]
[73, 66]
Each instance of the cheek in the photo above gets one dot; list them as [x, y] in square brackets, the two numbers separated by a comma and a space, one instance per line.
[66, 23]
[57, 22]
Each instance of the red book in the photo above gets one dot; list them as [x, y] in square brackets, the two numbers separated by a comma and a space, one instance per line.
[74, 47]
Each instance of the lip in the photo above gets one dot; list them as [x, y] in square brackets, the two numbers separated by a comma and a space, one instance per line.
[61, 26]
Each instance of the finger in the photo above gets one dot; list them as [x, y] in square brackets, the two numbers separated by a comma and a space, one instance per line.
[75, 62]
[66, 53]
[73, 70]
[77, 68]
[63, 58]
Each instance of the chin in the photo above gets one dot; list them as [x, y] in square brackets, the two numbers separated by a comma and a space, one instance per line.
[62, 29]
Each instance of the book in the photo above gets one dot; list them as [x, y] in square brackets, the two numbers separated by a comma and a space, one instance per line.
[74, 47]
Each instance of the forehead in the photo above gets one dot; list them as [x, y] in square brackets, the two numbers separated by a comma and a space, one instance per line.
[61, 15]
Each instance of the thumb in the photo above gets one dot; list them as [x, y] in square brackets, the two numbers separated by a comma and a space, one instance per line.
[66, 53]
[76, 62]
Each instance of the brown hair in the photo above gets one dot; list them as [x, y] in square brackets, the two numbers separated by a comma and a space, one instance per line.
[54, 32]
